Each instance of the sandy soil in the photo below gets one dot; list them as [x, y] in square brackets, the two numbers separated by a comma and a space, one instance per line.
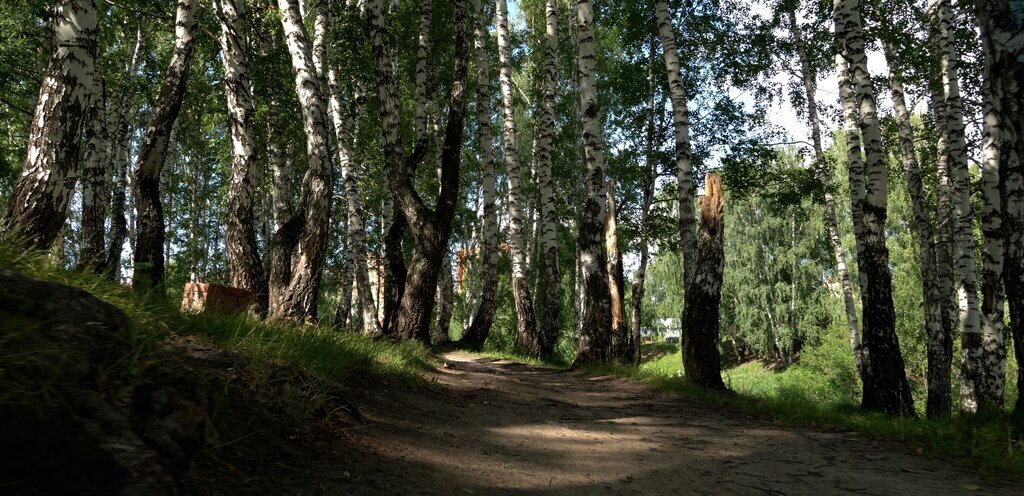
[499, 427]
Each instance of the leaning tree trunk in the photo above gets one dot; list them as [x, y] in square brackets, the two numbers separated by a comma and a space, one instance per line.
[596, 315]
[431, 228]
[480, 324]
[702, 364]
[1004, 74]
[37, 207]
[937, 332]
[305, 246]
[150, 230]
[526, 331]
[885, 382]
[650, 172]
[825, 178]
[993, 376]
[952, 124]
[96, 174]
[244, 259]
[551, 309]
[616, 282]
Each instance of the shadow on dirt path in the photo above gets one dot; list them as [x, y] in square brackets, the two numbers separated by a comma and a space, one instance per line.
[500, 427]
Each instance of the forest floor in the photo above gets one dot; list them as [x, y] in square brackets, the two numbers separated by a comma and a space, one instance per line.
[501, 427]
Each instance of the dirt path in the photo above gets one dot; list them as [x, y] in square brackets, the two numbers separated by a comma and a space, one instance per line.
[506, 428]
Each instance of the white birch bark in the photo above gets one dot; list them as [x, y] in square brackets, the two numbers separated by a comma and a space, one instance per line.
[993, 376]
[37, 208]
[681, 125]
[96, 174]
[298, 300]
[479, 326]
[526, 336]
[967, 277]
[825, 178]
[596, 308]
[937, 331]
[885, 385]
[244, 259]
[355, 243]
[551, 309]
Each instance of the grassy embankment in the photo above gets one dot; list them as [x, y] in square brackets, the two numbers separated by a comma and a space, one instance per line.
[314, 358]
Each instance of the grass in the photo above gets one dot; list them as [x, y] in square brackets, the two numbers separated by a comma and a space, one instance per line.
[805, 396]
[313, 359]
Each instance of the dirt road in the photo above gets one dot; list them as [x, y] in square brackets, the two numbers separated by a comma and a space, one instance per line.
[505, 428]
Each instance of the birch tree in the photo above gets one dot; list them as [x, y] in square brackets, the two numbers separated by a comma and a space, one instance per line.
[616, 282]
[148, 255]
[810, 85]
[885, 385]
[96, 174]
[596, 313]
[952, 124]
[431, 228]
[650, 173]
[550, 314]
[243, 253]
[38, 205]
[301, 244]
[1002, 46]
[480, 323]
[526, 332]
[937, 328]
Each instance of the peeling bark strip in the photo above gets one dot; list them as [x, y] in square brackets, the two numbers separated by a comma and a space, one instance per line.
[967, 277]
[885, 381]
[596, 319]
[149, 240]
[825, 178]
[616, 282]
[551, 310]
[244, 259]
[95, 179]
[298, 299]
[1002, 36]
[431, 228]
[937, 332]
[480, 324]
[526, 328]
[38, 204]
[681, 125]
[702, 364]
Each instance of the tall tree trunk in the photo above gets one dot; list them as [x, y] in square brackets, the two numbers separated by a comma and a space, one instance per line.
[305, 248]
[37, 207]
[650, 173]
[281, 171]
[596, 315]
[431, 228]
[526, 331]
[96, 172]
[681, 126]
[993, 377]
[445, 300]
[702, 364]
[479, 326]
[1002, 48]
[616, 282]
[825, 178]
[952, 125]
[244, 259]
[150, 231]
[937, 332]
[550, 316]
[355, 242]
[885, 381]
